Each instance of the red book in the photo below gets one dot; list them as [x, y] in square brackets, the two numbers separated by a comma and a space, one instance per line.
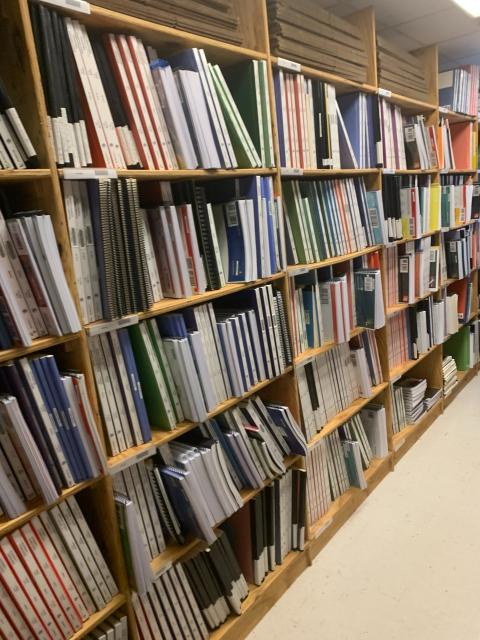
[462, 134]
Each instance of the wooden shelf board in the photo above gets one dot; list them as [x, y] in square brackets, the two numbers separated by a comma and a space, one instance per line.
[23, 175]
[329, 261]
[410, 172]
[410, 104]
[346, 414]
[38, 345]
[168, 305]
[463, 378]
[404, 240]
[398, 372]
[135, 454]
[406, 438]
[455, 172]
[312, 173]
[396, 308]
[344, 84]
[312, 353]
[455, 116]
[163, 37]
[193, 174]
[36, 507]
[98, 617]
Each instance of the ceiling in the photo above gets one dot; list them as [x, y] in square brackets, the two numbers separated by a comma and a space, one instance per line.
[415, 23]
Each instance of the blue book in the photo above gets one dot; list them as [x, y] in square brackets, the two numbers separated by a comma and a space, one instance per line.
[446, 90]
[222, 328]
[374, 137]
[267, 195]
[50, 367]
[251, 299]
[172, 325]
[237, 338]
[65, 443]
[135, 385]
[350, 108]
[235, 241]
[248, 354]
[230, 454]
[295, 441]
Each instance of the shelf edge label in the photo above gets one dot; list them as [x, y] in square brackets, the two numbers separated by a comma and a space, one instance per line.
[289, 65]
[88, 174]
[74, 5]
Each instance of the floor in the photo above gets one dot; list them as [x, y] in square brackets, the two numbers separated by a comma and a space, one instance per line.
[406, 566]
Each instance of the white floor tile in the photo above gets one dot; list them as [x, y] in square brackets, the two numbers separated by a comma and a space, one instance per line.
[406, 564]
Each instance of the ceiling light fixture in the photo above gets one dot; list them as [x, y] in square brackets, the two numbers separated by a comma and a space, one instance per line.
[472, 7]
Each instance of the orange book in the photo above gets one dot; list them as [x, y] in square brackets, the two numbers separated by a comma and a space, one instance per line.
[462, 135]
[460, 287]
[441, 159]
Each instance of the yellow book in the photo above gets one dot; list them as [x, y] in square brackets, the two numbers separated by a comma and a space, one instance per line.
[435, 206]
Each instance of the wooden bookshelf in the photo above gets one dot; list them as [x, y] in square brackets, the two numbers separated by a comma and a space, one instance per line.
[23, 75]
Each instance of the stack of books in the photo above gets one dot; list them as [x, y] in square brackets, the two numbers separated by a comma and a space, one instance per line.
[458, 252]
[146, 112]
[158, 610]
[408, 143]
[53, 575]
[304, 32]
[370, 311]
[413, 205]
[187, 239]
[323, 311]
[332, 381]
[457, 200]
[457, 144]
[271, 525]
[336, 463]
[36, 300]
[16, 149]
[413, 270]
[400, 71]
[328, 218]
[181, 366]
[411, 333]
[413, 391]
[220, 20]
[116, 624]
[449, 374]
[432, 396]
[359, 117]
[50, 440]
[458, 89]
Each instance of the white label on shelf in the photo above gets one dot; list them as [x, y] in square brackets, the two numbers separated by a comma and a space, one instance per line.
[443, 109]
[298, 272]
[127, 321]
[396, 379]
[88, 174]
[101, 327]
[162, 570]
[121, 466]
[385, 93]
[308, 360]
[325, 526]
[289, 65]
[443, 170]
[290, 171]
[388, 171]
[398, 445]
[75, 5]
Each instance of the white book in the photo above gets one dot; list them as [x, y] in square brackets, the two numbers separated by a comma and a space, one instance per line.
[179, 250]
[12, 504]
[139, 498]
[117, 405]
[200, 359]
[191, 399]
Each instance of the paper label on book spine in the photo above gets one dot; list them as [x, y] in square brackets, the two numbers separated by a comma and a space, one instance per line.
[323, 528]
[74, 5]
[385, 93]
[88, 174]
[289, 65]
[290, 171]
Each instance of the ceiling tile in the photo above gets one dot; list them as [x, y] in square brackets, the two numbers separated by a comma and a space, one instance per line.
[444, 25]
[461, 47]
[400, 39]
[393, 12]
[473, 59]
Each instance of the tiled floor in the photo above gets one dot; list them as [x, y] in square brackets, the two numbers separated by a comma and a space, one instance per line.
[406, 566]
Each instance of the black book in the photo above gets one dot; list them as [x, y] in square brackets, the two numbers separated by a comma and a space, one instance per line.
[269, 524]
[61, 73]
[256, 515]
[199, 592]
[302, 502]
[312, 389]
[295, 508]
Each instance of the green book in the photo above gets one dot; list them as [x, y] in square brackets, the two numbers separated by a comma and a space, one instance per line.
[266, 116]
[244, 83]
[159, 408]
[167, 374]
[243, 146]
[293, 212]
[458, 346]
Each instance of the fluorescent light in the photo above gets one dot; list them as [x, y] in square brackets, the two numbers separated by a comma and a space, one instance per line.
[472, 7]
